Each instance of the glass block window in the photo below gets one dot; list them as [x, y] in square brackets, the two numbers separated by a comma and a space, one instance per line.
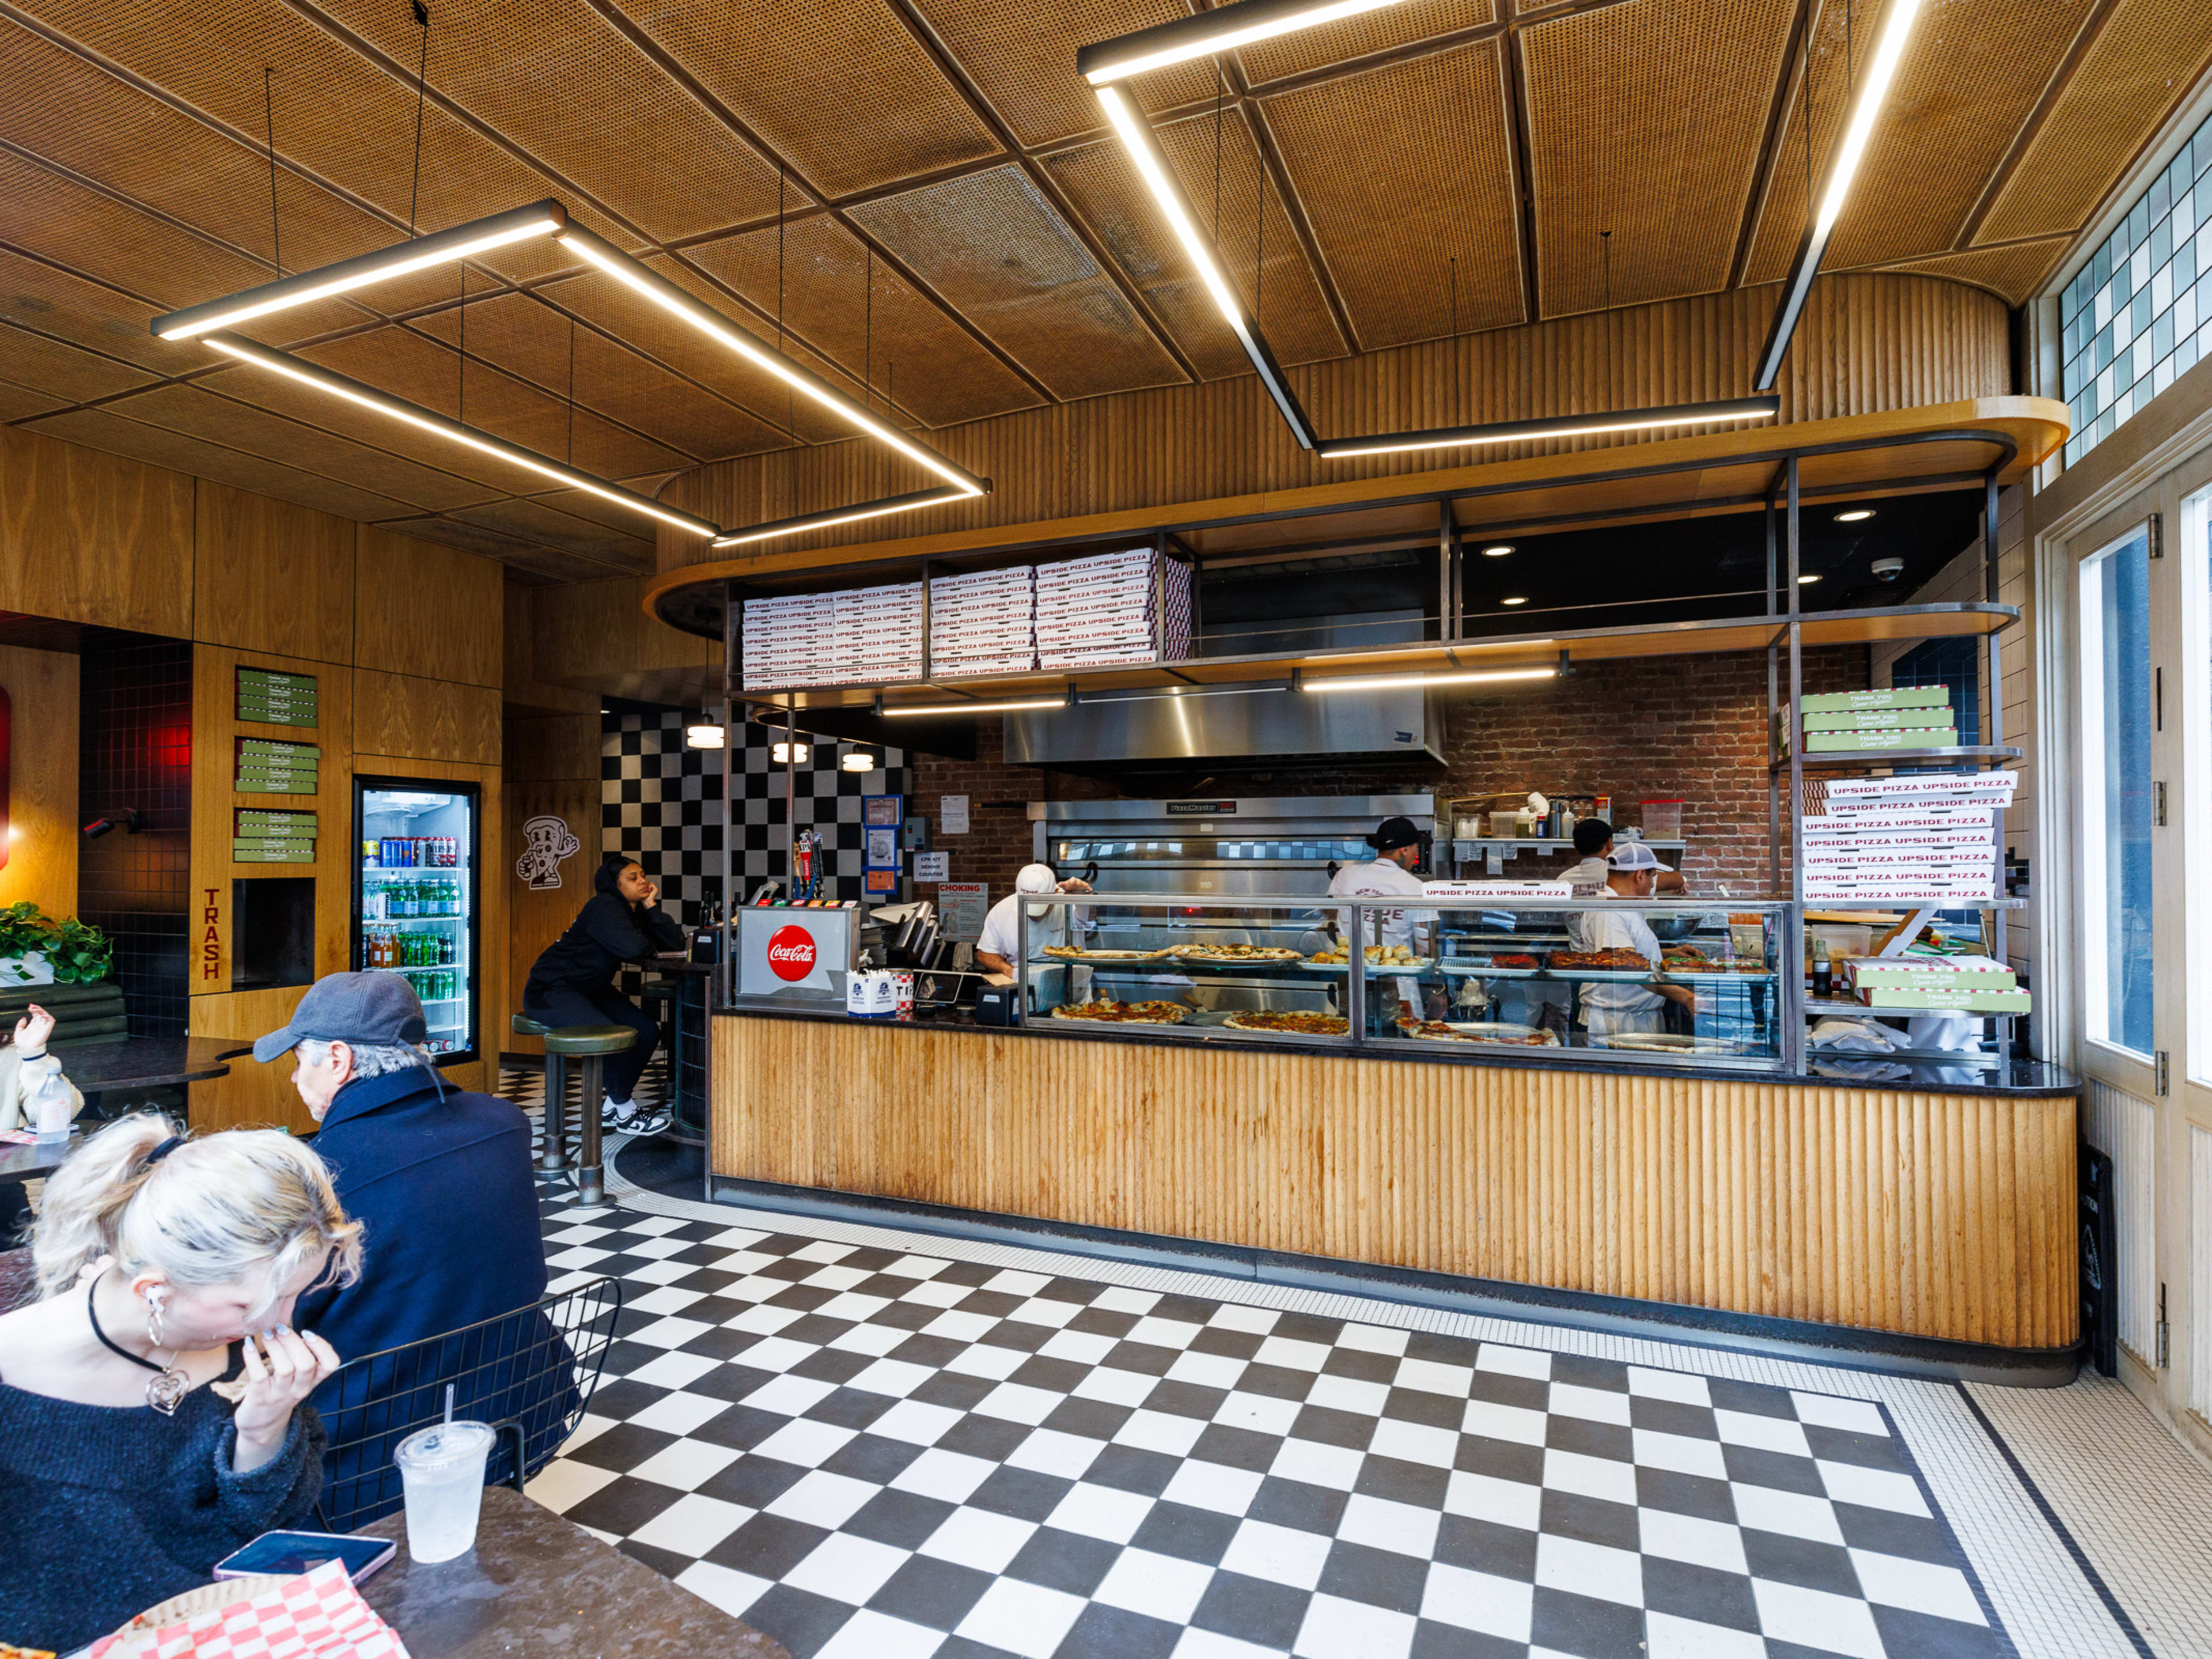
[2136, 315]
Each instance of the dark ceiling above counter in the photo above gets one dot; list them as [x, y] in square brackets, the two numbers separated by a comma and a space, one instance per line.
[947, 150]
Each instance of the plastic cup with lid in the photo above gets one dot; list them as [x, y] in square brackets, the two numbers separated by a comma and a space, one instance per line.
[442, 1470]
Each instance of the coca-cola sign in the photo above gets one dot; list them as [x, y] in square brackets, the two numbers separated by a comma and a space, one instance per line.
[791, 952]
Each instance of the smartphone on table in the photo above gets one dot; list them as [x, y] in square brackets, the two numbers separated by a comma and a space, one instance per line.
[290, 1554]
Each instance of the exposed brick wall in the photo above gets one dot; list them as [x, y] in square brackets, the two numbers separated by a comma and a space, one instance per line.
[1691, 727]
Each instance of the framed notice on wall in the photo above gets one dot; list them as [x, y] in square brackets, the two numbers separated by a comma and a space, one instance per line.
[952, 814]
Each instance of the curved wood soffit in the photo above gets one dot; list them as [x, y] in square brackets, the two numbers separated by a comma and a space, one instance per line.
[1869, 344]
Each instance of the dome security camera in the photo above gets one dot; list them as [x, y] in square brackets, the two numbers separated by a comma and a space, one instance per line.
[1888, 570]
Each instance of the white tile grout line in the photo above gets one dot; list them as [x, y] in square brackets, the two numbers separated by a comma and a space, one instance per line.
[2040, 1592]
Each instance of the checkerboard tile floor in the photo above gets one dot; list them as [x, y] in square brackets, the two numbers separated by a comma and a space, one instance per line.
[871, 1451]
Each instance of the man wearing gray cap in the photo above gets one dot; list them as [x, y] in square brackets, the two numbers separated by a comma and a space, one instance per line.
[440, 1177]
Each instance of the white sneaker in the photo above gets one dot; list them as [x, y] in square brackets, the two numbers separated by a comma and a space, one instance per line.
[617, 1114]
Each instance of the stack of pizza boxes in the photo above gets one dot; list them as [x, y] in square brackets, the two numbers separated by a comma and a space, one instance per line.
[984, 623]
[878, 634]
[1918, 838]
[789, 641]
[1116, 608]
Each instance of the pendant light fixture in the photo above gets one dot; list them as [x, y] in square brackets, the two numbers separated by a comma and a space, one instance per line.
[1108, 65]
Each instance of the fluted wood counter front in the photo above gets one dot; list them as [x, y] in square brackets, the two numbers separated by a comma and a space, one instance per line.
[1935, 1215]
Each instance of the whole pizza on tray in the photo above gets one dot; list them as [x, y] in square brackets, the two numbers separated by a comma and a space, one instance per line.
[1086, 953]
[1237, 953]
[1124, 1013]
[1618, 959]
[1302, 1024]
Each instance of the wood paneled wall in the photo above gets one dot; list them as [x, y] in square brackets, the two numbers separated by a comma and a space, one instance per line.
[42, 783]
[91, 538]
[1938, 1216]
[1867, 343]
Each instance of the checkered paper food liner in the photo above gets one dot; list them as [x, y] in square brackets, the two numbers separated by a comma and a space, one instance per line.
[317, 1615]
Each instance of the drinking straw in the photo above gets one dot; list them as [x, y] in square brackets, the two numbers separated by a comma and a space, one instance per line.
[449, 1402]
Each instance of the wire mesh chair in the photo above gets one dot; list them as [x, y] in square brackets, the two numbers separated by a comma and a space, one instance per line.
[530, 1374]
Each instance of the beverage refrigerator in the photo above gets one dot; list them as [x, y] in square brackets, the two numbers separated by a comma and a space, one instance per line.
[416, 898]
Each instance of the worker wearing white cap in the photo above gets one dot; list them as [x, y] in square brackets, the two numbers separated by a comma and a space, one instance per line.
[995, 947]
[1612, 1007]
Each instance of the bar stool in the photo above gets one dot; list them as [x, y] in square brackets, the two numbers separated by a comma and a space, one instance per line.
[664, 1001]
[590, 1045]
[553, 1142]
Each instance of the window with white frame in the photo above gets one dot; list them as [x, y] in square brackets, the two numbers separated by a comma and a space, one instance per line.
[2116, 794]
[2137, 313]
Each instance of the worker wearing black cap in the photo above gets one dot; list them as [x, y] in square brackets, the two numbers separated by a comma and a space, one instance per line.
[1397, 847]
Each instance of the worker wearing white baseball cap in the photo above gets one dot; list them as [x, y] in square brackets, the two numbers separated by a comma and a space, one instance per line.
[1612, 1007]
[996, 945]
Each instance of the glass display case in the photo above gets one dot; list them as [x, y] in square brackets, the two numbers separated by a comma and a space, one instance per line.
[1692, 981]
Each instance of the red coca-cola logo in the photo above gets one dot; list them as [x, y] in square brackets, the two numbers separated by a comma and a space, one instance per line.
[791, 952]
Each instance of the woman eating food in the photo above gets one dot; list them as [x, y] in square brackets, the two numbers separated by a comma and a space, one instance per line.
[153, 1414]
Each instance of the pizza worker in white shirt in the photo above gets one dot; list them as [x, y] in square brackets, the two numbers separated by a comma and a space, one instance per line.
[1612, 1007]
[1594, 842]
[1397, 847]
[997, 945]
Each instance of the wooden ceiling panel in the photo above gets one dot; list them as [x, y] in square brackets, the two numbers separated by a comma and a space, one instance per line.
[940, 373]
[2140, 65]
[1646, 119]
[1901, 205]
[1403, 169]
[63, 373]
[2015, 272]
[214, 411]
[798, 72]
[1021, 53]
[19, 402]
[993, 247]
[1102, 183]
[181, 452]
[537, 521]
[34, 295]
[559, 80]
[1352, 38]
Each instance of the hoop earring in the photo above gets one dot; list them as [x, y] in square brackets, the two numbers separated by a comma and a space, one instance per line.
[154, 1323]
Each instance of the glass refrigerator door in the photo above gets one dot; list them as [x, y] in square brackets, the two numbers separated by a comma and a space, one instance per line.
[417, 899]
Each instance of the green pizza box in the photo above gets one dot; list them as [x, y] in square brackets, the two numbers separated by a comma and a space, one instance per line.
[276, 677]
[1899, 696]
[270, 786]
[273, 746]
[275, 764]
[306, 719]
[1941, 999]
[1903, 737]
[281, 852]
[280, 710]
[1866, 720]
[255, 822]
[1972, 973]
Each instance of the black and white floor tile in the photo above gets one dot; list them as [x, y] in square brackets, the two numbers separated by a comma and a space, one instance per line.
[867, 1441]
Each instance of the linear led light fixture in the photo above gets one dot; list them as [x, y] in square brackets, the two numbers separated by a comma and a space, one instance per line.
[976, 708]
[831, 515]
[461, 242]
[1561, 425]
[1106, 64]
[1836, 183]
[1396, 682]
[425, 420]
[549, 218]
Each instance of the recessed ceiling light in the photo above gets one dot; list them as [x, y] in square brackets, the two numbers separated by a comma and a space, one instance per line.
[1499, 551]
[1854, 515]
[1513, 601]
[1801, 580]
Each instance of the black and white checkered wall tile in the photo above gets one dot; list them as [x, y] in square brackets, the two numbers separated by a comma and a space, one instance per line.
[661, 803]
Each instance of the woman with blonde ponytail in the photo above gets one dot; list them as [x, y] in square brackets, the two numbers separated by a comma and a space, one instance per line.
[153, 1414]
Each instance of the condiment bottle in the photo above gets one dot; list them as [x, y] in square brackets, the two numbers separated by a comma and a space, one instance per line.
[1823, 971]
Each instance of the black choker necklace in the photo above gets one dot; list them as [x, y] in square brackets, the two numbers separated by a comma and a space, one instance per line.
[168, 1386]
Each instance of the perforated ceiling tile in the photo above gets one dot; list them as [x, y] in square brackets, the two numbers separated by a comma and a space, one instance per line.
[20, 403]
[993, 247]
[1101, 184]
[1021, 53]
[556, 77]
[1403, 169]
[836, 86]
[62, 373]
[537, 521]
[2016, 272]
[338, 114]
[1356, 37]
[528, 564]
[1619, 141]
[220, 410]
[2141, 64]
[939, 373]
[1902, 205]
[110, 429]
[38, 296]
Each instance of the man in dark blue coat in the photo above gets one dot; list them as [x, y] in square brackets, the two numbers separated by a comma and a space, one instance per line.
[442, 1180]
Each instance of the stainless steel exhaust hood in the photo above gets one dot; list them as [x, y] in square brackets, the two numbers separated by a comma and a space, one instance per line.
[1269, 725]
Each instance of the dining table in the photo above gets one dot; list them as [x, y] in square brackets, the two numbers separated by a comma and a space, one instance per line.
[537, 1586]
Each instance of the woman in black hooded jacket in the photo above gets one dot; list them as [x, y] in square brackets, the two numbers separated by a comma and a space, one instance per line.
[573, 983]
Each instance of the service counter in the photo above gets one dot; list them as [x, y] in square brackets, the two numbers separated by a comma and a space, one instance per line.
[1925, 1216]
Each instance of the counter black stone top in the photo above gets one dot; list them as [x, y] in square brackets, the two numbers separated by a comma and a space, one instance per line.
[2013, 1078]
